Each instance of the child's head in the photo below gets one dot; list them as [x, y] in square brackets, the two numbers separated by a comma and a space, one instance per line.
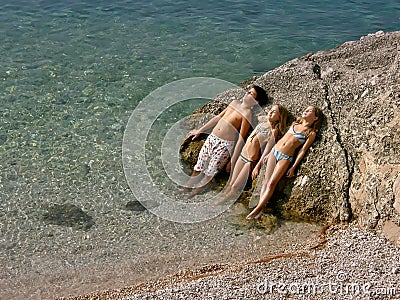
[261, 95]
[320, 115]
[277, 117]
[315, 115]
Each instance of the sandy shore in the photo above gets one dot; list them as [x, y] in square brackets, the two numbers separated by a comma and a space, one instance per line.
[346, 263]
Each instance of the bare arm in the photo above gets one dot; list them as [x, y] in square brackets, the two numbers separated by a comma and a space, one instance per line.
[209, 125]
[267, 150]
[244, 129]
[300, 155]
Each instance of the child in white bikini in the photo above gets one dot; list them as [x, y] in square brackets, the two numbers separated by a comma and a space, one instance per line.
[260, 141]
[229, 129]
[301, 135]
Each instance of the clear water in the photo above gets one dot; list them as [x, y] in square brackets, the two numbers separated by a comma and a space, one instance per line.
[72, 72]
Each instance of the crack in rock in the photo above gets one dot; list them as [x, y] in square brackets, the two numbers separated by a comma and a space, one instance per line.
[345, 212]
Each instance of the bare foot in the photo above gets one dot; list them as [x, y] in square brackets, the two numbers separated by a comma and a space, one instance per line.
[231, 195]
[180, 191]
[220, 201]
[191, 194]
[254, 215]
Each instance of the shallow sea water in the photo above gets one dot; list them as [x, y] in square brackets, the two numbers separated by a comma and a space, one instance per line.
[71, 74]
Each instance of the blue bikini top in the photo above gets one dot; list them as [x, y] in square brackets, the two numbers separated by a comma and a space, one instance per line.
[301, 137]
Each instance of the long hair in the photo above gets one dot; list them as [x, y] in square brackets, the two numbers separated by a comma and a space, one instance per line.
[280, 125]
[317, 123]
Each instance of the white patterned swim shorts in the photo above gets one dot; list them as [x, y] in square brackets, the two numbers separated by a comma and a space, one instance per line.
[213, 155]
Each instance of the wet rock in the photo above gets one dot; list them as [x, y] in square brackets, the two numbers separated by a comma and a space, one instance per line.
[3, 139]
[268, 223]
[139, 206]
[190, 149]
[68, 215]
[237, 214]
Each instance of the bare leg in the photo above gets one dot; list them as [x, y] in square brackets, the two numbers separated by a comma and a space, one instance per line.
[236, 171]
[200, 186]
[275, 171]
[269, 169]
[194, 179]
[238, 180]
[241, 178]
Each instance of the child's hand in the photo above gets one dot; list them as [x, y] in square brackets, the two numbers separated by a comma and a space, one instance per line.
[290, 173]
[255, 173]
[195, 133]
[228, 167]
[265, 159]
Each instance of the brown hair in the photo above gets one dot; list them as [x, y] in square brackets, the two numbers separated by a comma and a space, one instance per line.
[262, 97]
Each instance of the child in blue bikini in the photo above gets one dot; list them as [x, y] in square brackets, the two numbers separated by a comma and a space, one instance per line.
[301, 135]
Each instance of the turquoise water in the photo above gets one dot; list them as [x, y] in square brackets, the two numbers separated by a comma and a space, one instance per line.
[71, 73]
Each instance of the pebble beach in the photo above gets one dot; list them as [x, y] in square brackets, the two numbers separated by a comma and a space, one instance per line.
[346, 263]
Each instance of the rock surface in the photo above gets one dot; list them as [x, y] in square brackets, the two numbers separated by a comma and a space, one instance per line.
[352, 170]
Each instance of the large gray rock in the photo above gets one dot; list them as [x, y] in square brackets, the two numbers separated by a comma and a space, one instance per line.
[351, 170]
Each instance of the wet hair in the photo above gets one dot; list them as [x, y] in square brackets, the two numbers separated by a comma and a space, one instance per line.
[262, 97]
[317, 123]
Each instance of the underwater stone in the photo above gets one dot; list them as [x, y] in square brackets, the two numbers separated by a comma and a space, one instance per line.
[68, 215]
[3, 138]
[135, 206]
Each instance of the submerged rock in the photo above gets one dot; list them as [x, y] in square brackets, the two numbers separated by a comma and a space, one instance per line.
[267, 222]
[135, 206]
[67, 215]
[349, 173]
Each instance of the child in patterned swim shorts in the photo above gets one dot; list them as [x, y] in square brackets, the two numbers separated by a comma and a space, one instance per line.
[214, 154]
[224, 142]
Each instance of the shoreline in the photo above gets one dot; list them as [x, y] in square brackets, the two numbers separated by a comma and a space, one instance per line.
[223, 241]
[370, 269]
